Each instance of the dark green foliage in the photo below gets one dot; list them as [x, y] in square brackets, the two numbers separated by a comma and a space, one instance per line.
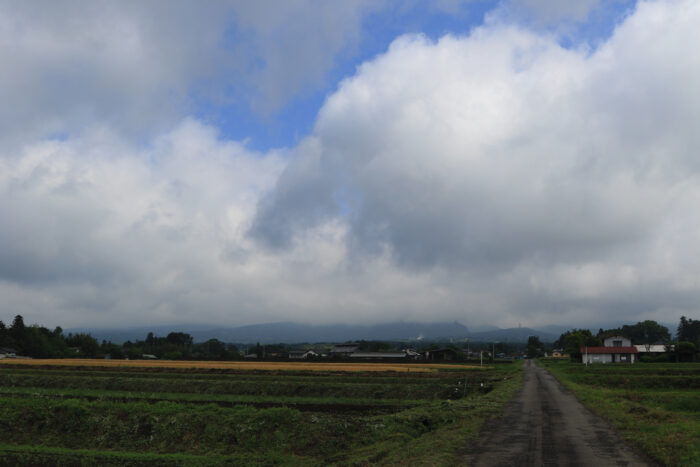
[686, 351]
[535, 348]
[647, 332]
[33, 341]
[573, 340]
[86, 345]
[689, 330]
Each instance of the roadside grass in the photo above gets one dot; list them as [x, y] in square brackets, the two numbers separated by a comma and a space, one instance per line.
[662, 421]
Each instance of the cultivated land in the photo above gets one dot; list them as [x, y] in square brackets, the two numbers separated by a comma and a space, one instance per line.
[236, 365]
[244, 413]
[654, 406]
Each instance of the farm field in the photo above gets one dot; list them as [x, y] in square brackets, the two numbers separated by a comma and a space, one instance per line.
[656, 406]
[82, 412]
[236, 365]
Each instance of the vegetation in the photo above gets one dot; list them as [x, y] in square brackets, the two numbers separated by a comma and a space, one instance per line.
[655, 406]
[200, 416]
[535, 348]
[689, 331]
[572, 341]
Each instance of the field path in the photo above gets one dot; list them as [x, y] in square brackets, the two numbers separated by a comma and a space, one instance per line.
[545, 425]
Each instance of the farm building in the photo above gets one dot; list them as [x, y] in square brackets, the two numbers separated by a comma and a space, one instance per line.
[616, 349]
[654, 348]
[6, 352]
[302, 354]
[379, 355]
[441, 354]
[344, 349]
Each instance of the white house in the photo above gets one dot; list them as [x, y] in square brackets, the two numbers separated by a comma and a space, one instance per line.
[616, 349]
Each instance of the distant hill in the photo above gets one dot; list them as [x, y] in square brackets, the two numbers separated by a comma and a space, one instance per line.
[292, 333]
[513, 335]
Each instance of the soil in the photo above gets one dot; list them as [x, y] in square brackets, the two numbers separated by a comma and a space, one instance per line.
[545, 425]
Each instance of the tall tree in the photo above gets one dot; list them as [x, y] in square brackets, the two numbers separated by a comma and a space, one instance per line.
[688, 330]
[573, 340]
[647, 332]
[534, 347]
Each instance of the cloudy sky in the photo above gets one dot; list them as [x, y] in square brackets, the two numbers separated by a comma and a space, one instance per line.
[231, 163]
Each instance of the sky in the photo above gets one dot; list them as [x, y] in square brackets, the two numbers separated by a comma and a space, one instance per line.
[513, 162]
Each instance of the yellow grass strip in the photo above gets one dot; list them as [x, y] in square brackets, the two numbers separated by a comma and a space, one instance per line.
[245, 365]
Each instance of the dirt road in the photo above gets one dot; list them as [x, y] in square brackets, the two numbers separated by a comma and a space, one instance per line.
[544, 425]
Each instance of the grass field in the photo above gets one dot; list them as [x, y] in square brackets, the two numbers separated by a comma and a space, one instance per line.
[96, 412]
[656, 406]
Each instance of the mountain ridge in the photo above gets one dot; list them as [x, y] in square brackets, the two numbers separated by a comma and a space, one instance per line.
[294, 333]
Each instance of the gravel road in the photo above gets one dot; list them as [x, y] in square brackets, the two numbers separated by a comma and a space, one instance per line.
[545, 425]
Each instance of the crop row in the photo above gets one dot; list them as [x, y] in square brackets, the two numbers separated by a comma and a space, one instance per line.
[169, 427]
[646, 369]
[338, 405]
[252, 375]
[438, 389]
[639, 381]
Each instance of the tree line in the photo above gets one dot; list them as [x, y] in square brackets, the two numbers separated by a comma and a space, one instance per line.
[40, 342]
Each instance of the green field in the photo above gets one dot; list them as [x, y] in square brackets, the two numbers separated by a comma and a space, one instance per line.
[141, 416]
[656, 406]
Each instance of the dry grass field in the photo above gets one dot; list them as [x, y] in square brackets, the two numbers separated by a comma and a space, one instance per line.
[245, 365]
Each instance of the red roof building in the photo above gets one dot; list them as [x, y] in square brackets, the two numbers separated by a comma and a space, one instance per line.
[617, 349]
[610, 350]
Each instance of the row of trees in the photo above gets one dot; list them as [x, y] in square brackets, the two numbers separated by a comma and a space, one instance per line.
[179, 346]
[40, 342]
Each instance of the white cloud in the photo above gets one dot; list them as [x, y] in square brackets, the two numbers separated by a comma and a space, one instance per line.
[138, 66]
[493, 178]
[504, 156]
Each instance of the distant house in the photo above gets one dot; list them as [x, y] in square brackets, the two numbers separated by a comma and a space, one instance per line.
[410, 353]
[441, 354]
[7, 352]
[654, 348]
[559, 353]
[344, 349]
[302, 354]
[148, 356]
[616, 349]
[379, 355]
